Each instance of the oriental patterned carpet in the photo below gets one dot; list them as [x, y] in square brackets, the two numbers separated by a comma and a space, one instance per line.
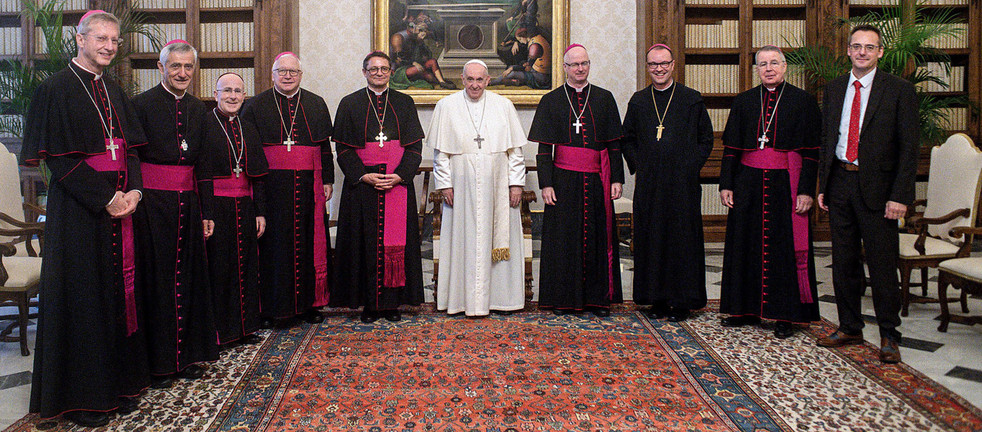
[539, 372]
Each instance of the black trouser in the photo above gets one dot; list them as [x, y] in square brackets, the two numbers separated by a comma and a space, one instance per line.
[855, 226]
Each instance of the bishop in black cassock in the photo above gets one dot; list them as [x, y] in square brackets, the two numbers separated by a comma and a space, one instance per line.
[377, 131]
[180, 324]
[668, 137]
[769, 168]
[233, 197]
[90, 355]
[295, 129]
[579, 131]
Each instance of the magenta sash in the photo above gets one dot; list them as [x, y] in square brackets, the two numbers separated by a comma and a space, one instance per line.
[586, 160]
[396, 200]
[103, 163]
[772, 159]
[307, 158]
[177, 178]
[233, 187]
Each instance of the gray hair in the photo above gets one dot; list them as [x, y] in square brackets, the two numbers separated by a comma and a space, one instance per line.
[276, 62]
[769, 48]
[86, 23]
[177, 47]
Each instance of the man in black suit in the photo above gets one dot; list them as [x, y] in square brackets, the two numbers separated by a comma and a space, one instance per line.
[869, 160]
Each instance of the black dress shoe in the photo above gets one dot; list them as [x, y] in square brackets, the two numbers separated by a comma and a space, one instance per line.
[601, 312]
[369, 317]
[783, 330]
[677, 315]
[313, 317]
[251, 339]
[128, 405]
[266, 323]
[562, 312]
[161, 382]
[502, 312]
[393, 315]
[739, 320]
[87, 418]
[192, 372]
[657, 311]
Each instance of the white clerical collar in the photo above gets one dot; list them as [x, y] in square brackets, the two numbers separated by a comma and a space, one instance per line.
[379, 93]
[670, 84]
[285, 95]
[172, 93]
[770, 89]
[578, 89]
[866, 80]
[97, 75]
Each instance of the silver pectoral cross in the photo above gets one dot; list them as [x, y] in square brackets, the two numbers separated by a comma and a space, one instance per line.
[578, 125]
[478, 140]
[381, 138]
[763, 140]
[289, 142]
[660, 128]
[237, 170]
[184, 145]
[112, 147]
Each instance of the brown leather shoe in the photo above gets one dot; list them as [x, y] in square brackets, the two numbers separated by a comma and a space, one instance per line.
[889, 352]
[839, 339]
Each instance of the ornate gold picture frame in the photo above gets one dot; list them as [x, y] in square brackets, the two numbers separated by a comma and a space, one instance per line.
[522, 41]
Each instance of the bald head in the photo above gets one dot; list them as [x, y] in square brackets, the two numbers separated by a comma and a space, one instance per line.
[576, 64]
[577, 51]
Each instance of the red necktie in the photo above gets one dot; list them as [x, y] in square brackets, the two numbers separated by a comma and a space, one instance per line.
[852, 147]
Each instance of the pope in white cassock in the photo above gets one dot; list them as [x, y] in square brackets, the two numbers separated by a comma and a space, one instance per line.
[479, 168]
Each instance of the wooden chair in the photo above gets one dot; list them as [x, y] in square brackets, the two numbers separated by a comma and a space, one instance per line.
[436, 198]
[954, 185]
[624, 219]
[20, 267]
[964, 274]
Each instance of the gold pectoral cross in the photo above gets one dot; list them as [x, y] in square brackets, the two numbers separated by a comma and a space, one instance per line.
[660, 128]
[237, 170]
[112, 147]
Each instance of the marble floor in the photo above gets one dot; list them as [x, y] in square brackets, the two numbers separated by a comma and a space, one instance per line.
[952, 359]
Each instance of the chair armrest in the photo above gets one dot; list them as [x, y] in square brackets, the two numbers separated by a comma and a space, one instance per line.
[912, 209]
[35, 208]
[961, 231]
[916, 221]
[6, 249]
[25, 235]
[18, 223]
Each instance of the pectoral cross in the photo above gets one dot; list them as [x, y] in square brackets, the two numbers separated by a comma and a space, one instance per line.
[184, 145]
[112, 147]
[237, 170]
[478, 140]
[381, 138]
[763, 140]
[289, 143]
[577, 125]
[659, 128]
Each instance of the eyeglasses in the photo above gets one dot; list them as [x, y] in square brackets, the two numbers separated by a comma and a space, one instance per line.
[228, 90]
[576, 65]
[859, 47]
[377, 69]
[287, 72]
[101, 40]
[656, 65]
[772, 63]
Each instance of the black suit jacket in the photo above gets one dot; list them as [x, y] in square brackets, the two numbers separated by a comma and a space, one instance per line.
[888, 141]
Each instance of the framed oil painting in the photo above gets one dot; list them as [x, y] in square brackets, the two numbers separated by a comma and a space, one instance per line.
[522, 42]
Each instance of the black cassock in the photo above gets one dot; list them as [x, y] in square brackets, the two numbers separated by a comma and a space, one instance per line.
[576, 269]
[764, 274]
[295, 250]
[362, 267]
[90, 347]
[233, 201]
[180, 317]
[669, 256]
